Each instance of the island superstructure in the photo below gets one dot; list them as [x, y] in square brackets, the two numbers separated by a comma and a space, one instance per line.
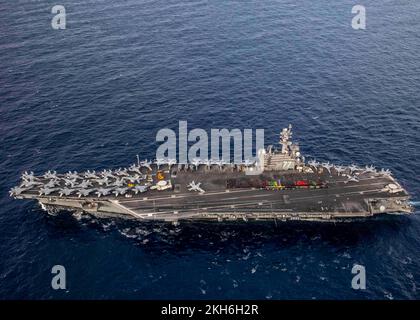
[279, 186]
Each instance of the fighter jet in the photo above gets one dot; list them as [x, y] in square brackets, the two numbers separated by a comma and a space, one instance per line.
[29, 180]
[91, 175]
[84, 184]
[119, 191]
[102, 192]
[140, 189]
[84, 192]
[192, 186]
[313, 163]
[339, 169]
[135, 168]
[351, 179]
[121, 172]
[50, 175]
[107, 174]
[72, 175]
[30, 184]
[207, 162]
[146, 164]
[119, 182]
[28, 176]
[135, 178]
[385, 172]
[69, 182]
[171, 162]
[216, 162]
[102, 181]
[66, 191]
[328, 166]
[16, 191]
[46, 191]
[53, 183]
[353, 168]
[370, 169]
[196, 162]
[160, 162]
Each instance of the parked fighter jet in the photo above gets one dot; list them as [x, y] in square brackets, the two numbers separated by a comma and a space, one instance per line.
[313, 163]
[72, 175]
[53, 183]
[135, 178]
[84, 184]
[328, 166]
[103, 192]
[353, 168]
[146, 164]
[140, 189]
[217, 162]
[196, 162]
[192, 186]
[208, 163]
[171, 162]
[369, 169]
[355, 179]
[84, 192]
[31, 184]
[386, 172]
[339, 169]
[351, 179]
[28, 176]
[102, 181]
[91, 175]
[135, 168]
[119, 191]
[50, 175]
[46, 191]
[66, 191]
[121, 172]
[160, 162]
[16, 191]
[119, 182]
[107, 174]
[69, 182]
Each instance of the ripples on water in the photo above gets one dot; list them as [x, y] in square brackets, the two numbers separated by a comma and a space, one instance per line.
[94, 95]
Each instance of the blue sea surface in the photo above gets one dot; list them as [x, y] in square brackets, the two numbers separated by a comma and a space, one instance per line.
[94, 95]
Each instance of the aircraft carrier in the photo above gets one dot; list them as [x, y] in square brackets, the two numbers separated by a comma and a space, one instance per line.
[280, 186]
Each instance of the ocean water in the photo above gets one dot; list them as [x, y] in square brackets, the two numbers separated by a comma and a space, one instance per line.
[94, 95]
